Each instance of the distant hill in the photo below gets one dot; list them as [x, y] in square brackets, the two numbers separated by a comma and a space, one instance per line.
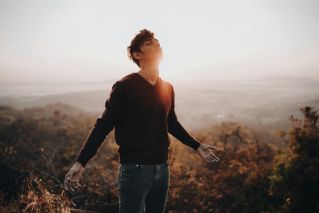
[265, 102]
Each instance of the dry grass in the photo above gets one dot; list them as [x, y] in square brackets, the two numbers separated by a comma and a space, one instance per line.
[34, 197]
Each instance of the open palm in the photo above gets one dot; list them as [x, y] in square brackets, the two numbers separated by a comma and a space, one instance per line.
[208, 152]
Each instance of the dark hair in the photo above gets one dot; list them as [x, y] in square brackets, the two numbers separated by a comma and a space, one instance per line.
[137, 42]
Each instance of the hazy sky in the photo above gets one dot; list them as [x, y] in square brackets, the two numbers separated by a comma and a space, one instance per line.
[75, 41]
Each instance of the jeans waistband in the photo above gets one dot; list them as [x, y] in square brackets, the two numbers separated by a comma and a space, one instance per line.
[133, 163]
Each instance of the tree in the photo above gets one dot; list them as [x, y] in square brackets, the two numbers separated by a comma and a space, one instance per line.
[295, 182]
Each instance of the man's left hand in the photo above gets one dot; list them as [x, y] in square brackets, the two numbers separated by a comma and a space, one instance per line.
[208, 152]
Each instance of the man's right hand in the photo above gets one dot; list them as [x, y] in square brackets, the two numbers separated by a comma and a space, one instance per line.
[72, 178]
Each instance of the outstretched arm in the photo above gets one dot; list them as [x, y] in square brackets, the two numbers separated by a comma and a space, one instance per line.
[176, 129]
[103, 124]
[206, 151]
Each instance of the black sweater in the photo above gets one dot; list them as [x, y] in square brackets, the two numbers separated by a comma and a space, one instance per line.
[142, 115]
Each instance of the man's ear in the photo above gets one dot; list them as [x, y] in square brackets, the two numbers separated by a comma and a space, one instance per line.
[137, 55]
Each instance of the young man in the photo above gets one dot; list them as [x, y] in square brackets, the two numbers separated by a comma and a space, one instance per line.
[141, 108]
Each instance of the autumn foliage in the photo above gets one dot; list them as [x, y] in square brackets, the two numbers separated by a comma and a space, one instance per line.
[258, 171]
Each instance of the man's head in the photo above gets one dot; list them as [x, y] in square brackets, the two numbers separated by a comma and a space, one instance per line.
[145, 48]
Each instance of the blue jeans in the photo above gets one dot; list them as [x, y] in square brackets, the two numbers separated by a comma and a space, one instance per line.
[143, 188]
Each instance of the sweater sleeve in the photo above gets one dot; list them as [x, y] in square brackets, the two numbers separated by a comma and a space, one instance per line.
[177, 130]
[103, 125]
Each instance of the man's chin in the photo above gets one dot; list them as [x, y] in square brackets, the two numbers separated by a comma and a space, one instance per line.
[160, 56]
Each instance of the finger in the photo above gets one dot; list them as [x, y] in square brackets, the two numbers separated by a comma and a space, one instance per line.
[66, 184]
[210, 157]
[211, 161]
[68, 187]
[69, 183]
[213, 156]
[75, 185]
[71, 176]
[71, 187]
[212, 147]
[67, 176]
[218, 158]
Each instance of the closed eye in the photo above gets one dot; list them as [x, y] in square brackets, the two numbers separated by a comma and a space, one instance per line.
[151, 42]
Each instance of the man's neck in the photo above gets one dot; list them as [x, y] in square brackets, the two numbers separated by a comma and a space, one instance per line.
[150, 73]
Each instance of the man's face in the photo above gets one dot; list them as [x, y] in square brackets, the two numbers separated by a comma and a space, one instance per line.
[151, 51]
